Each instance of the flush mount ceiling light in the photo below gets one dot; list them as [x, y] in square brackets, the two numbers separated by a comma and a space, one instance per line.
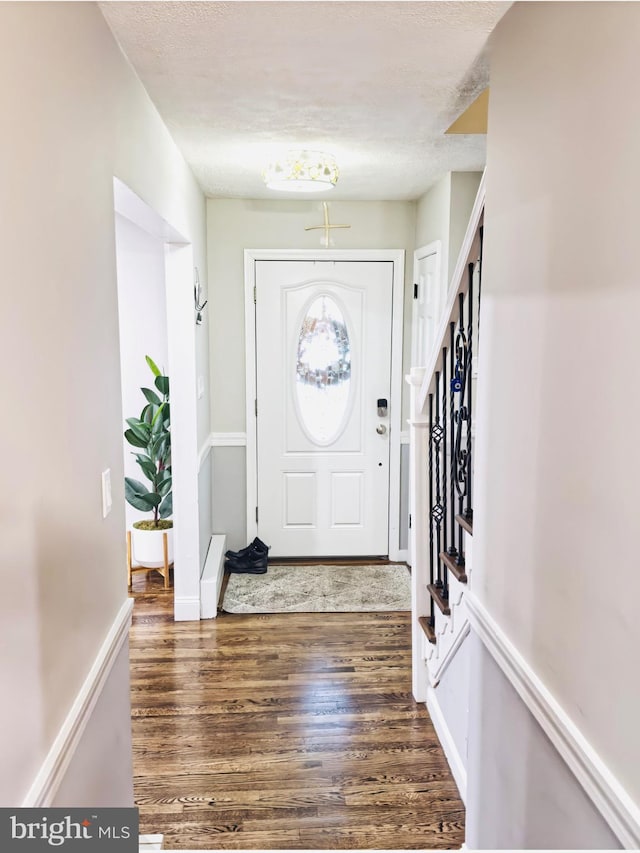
[303, 172]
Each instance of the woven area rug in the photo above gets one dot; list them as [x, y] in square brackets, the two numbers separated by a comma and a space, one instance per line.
[320, 589]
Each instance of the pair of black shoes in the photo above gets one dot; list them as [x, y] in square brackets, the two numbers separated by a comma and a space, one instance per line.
[250, 560]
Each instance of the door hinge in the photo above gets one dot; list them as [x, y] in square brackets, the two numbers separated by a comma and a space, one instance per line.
[409, 521]
[255, 295]
[256, 406]
[415, 291]
[256, 515]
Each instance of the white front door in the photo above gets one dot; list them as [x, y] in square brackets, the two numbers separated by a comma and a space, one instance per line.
[323, 356]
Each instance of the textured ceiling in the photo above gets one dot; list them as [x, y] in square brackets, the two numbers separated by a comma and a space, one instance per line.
[375, 83]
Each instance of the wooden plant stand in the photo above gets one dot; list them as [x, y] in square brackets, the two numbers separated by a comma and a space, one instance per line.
[163, 570]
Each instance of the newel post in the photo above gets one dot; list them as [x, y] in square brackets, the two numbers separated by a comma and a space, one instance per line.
[419, 530]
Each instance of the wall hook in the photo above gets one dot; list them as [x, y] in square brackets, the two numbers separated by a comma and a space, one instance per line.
[197, 295]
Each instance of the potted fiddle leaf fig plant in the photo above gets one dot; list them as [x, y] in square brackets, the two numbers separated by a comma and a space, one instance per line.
[150, 434]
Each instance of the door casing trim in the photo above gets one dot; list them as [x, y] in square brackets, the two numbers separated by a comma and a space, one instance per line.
[397, 258]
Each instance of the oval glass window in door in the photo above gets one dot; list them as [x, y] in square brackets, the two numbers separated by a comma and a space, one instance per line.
[323, 371]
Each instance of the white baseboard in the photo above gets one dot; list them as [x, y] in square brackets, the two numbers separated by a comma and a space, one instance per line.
[608, 795]
[212, 576]
[228, 439]
[51, 774]
[448, 744]
[187, 609]
[150, 842]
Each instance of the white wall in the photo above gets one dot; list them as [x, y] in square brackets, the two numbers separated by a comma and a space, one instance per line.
[238, 224]
[556, 509]
[142, 312]
[74, 115]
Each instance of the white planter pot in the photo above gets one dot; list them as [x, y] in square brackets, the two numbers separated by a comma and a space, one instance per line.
[147, 547]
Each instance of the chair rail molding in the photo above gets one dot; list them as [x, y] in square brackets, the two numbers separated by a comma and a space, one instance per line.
[606, 792]
[51, 773]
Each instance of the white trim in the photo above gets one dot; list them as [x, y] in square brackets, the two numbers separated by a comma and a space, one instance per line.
[212, 576]
[204, 452]
[457, 281]
[49, 777]
[228, 439]
[608, 795]
[150, 842]
[435, 676]
[403, 555]
[396, 257]
[449, 747]
[187, 607]
[404, 436]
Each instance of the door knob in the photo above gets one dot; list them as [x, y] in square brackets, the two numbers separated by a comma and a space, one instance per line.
[381, 429]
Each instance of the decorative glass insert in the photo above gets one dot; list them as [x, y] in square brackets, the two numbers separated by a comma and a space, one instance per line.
[323, 370]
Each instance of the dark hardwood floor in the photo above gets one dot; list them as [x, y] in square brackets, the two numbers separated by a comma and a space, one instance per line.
[283, 731]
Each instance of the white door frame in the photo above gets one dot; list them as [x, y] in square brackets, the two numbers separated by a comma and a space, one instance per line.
[178, 259]
[396, 257]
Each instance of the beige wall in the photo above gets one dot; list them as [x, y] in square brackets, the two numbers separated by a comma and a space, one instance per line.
[237, 224]
[555, 556]
[443, 212]
[74, 116]
[464, 188]
[433, 214]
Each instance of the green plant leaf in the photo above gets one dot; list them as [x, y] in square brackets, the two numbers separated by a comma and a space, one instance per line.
[151, 396]
[166, 415]
[164, 485]
[142, 430]
[166, 507]
[148, 468]
[160, 446]
[152, 366]
[147, 414]
[162, 384]
[139, 496]
[158, 411]
[133, 439]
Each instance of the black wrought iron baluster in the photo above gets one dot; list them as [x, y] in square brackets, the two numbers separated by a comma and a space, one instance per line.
[436, 511]
[431, 565]
[452, 427]
[461, 417]
[445, 570]
[469, 462]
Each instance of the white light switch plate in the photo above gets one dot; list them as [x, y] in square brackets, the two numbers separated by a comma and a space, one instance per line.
[106, 493]
[200, 387]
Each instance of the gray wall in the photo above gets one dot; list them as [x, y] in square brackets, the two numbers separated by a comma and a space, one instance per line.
[520, 793]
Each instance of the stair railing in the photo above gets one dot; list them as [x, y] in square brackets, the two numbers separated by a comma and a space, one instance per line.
[441, 464]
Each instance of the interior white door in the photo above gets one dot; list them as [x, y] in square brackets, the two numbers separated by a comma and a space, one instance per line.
[323, 363]
[428, 302]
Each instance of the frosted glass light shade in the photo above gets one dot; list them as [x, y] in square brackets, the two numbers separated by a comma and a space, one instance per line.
[302, 171]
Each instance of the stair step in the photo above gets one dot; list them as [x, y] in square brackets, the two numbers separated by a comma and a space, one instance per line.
[428, 630]
[436, 593]
[456, 570]
[465, 523]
